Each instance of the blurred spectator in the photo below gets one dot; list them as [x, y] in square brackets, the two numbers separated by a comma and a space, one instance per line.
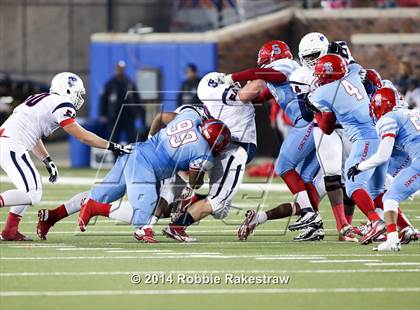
[406, 80]
[120, 90]
[188, 91]
[412, 96]
[336, 4]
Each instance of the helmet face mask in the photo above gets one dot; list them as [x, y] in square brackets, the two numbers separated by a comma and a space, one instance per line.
[69, 85]
[311, 47]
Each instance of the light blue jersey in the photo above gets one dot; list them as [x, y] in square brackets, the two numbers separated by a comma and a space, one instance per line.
[348, 99]
[404, 126]
[179, 146]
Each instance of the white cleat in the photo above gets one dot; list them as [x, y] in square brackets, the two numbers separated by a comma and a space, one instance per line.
[388, 246]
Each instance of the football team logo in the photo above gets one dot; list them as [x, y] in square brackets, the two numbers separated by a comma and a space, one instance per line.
[72, 81]
[378, 99]
[328, 67]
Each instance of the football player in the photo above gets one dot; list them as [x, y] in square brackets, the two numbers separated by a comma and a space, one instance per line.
[187, 144]
[231, 104]
[37, 117]
[397, 129]
[275, 66]
[342, 97]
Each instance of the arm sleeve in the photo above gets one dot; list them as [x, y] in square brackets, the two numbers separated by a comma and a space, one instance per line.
[64, 114]
[203, 163]
[326, 121]
[382, 155]
[266, 74]
[387, 127]
[307, 114]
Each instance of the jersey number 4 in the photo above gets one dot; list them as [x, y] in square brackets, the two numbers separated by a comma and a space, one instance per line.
[352, 90]
[181, 133]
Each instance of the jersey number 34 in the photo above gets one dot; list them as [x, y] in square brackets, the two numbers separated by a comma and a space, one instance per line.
[181, 133]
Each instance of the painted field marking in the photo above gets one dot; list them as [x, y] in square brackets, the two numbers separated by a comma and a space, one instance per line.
[113, 273]
[211, 291]
[86, 249]
[141, 251]
[345, 261]
[40, 245]
[394, 264]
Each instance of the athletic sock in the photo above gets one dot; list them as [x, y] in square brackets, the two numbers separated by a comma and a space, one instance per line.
[340, 218]
[185, 220]
[313, 195]
[296, 185]
[391, 228]
[261, 217]
[349, 219]
[379, 206]
[56, 214]
[12, 223]
[98, 208]
[365, 204]
[402, 221]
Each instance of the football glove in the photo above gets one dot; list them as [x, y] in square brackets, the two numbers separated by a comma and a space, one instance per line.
[353, 171]
[52, 169]
[120, 149]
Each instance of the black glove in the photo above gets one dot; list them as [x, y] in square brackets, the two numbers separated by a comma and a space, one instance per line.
[52, 169]
[120, 149]
[341, 48]
[353, 171]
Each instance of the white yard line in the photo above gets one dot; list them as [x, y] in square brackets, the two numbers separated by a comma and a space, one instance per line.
[261, 271]
[232, 291]
[394, 264]
[342, 261]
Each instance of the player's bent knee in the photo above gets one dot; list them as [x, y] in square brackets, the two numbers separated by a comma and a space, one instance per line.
[35, 196]
[219, 209]
[332, 182]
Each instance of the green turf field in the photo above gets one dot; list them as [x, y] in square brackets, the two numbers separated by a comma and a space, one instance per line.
[95, 270]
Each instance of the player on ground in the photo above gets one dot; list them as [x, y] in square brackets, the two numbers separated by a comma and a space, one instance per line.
[341, 96]
[231, 104]
[397, 129]
[37, 117]
[276, 65]
[186, 144]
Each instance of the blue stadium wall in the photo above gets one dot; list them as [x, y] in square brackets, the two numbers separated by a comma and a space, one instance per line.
[169, 58]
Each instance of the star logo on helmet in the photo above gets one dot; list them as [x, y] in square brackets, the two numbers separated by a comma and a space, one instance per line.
[72, 81]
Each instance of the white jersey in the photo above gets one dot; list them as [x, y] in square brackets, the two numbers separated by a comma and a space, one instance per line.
[222, 102]
[37, 117]
[302, 80]
[286, 66]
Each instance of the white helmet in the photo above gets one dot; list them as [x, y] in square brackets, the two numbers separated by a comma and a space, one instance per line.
[69, 85]
[311, 47]
[401, 103]
[210, 80]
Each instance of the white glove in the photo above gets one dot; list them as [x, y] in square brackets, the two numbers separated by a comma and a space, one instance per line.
[52, 169]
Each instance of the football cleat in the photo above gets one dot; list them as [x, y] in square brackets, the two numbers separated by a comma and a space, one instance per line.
[145, 235]
[408, 234]
[310, 233]
[347, 234]
[43, 227]
[380, 238]
[248, 225]
[17, 236]
[308, 219]
[388, 246]
[377, 229]
[177, 233]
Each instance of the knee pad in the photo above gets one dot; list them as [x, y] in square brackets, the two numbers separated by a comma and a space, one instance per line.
[35, 196]
[220, 208]
[332, 182]
[390, 205]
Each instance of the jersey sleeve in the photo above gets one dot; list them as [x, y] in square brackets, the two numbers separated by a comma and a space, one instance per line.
[318, 100]
[387, 127]
[203, 163]
[64, 113]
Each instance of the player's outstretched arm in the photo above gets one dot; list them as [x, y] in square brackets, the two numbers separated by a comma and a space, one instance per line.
[252, 91]
[93, 140]
[382, 155]
[160, 121]
[266, 74]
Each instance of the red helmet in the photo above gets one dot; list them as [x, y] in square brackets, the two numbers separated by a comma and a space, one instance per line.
[273, 50]
[373, 76]
[383, 101]
[330, 68]
[216, 133]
